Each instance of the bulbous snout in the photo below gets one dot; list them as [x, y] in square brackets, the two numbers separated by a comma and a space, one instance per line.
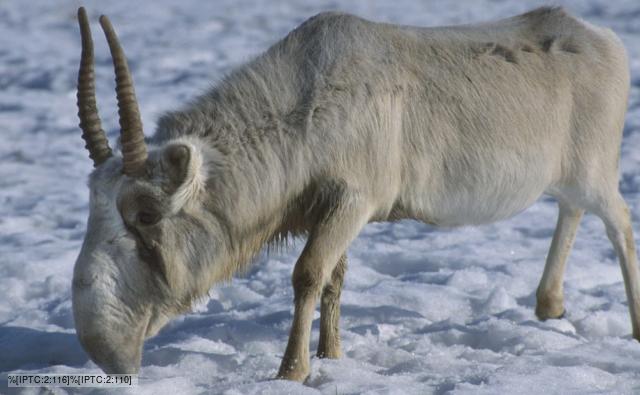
[109, 329]
[113, 342]
[113, 356]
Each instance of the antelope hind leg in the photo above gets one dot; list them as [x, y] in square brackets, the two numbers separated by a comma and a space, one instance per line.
[617, 219]
[550, 291]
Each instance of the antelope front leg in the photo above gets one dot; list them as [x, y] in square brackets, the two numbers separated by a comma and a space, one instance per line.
[329, 343]
[326, 243]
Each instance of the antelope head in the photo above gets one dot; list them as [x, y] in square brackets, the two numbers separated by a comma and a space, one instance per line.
[148, 237]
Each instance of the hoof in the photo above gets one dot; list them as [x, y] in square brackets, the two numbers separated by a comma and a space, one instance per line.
[550, 314]
[300, 377]
[549, 308]
[329, 354]
[293, 372]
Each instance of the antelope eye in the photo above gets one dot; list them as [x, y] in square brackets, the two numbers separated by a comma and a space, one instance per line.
[148, 218]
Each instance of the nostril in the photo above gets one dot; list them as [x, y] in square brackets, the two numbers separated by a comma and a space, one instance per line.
[83, 281]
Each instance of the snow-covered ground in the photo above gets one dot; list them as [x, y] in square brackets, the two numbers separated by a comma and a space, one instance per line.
[424, 310]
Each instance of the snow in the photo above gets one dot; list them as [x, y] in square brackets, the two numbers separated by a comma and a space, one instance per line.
[423, 310]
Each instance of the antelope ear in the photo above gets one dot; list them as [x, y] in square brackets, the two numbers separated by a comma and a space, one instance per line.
[184, 174]
[176, 160]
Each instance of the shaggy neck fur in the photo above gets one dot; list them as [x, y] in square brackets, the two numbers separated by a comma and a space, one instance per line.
[257, 165]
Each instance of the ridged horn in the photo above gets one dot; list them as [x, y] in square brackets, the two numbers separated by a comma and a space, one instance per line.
[134, 149]
[92, 133]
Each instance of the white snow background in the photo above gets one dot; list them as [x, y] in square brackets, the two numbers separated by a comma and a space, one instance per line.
[424, 310]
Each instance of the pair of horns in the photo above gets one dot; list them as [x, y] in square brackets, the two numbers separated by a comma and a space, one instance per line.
[134, 149]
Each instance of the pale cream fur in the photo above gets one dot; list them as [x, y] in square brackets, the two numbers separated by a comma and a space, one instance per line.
[341, 123]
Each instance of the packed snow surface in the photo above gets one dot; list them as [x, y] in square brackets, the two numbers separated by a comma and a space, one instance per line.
[424, 310]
